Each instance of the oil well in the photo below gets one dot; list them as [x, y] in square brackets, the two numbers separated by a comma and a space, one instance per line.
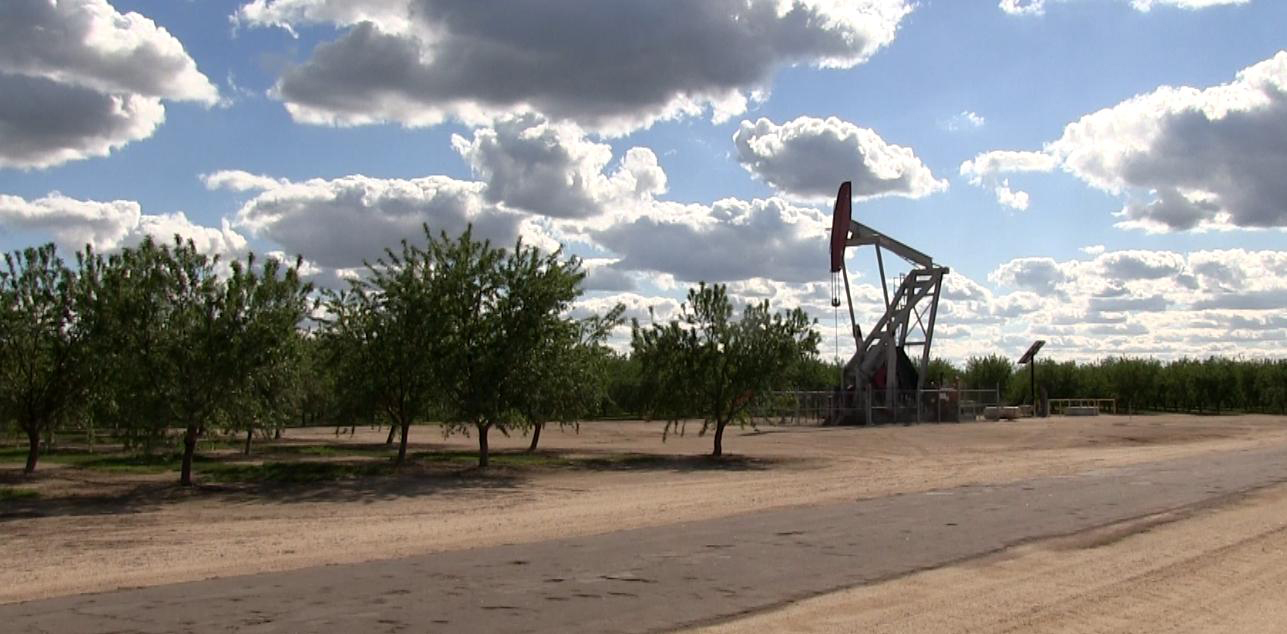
[885, 378]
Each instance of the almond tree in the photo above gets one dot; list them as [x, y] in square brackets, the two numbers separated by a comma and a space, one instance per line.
[498, 310]
[567, 377]
[706, 364]
[42, 378]
[385, 328]
[340, 358]
[197, 351]
[260, 314]
[174, 344]
[124, 304]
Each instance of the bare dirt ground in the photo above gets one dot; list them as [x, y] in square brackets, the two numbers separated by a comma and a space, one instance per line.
[1218, 570]
[156, 534]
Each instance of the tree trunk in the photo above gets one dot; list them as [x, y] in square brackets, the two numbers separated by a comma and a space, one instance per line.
[33, 450]
[536, 436]
[402, 445]
[189, 448]
[250, 433]
[482, 444]
[277, 433]
[719, 439]
[392, 430]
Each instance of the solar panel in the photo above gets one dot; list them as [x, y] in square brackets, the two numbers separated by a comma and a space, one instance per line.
[1032, 351]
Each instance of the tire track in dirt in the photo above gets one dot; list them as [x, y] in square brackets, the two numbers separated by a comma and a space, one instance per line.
[1202, 569]
[1198, 593]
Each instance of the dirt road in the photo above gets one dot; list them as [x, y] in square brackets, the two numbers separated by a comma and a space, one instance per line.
[158, 534]
[1214, 569]
[663, 576]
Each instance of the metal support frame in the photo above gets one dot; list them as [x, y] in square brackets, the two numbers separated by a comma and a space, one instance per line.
[921, 288]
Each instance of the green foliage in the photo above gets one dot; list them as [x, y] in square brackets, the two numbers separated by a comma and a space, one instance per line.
[474, 335]
[124, 303]
[988, 372]
[259, 319]
[1184, 385]
[942, 373]
[1271, 381]
[813, 374]
[347, 369]
[706, 364]
[498, 312]
[42, 344]
[566, 376]
[1130, 381]
[174, 344]
[314, 396]
[624, 387]
[383, 336]
[161, 357]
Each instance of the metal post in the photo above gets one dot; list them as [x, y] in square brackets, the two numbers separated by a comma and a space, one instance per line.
[884, 285]
[1032, 378]
[929, 331]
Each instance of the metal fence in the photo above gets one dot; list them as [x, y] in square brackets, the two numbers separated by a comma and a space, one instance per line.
[974, 401]
[1061, 405]
[936, 405]
[793, 407]
[798, 407]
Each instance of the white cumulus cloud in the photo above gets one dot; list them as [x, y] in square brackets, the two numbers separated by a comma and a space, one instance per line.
[610, 67]
[1138, 302]
[1006, 162]
[1014, 199]
[553, 169]
[1184, 158]
[107, 225]
[339, 223]
[79, 79]
[808, 158]
[729, 240]
[1038, 7]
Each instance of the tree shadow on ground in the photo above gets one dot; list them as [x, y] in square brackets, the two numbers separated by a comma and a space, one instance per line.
[299, 473]
[128, 499]
[408, 481]
[674, 462]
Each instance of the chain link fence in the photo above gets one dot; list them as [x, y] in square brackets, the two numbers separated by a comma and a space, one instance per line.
[937, 405]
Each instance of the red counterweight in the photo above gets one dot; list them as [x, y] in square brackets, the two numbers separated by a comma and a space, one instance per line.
[840, 225]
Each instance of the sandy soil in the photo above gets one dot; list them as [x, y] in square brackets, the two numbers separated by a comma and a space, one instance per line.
[164, 535]
[1218, 570]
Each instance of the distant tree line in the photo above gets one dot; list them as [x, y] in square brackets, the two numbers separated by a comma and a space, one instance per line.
[1211, 385]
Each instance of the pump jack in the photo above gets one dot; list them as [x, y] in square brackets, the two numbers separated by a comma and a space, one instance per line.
[880, 382]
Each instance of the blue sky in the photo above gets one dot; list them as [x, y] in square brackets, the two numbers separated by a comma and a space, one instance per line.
[1031, 146]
